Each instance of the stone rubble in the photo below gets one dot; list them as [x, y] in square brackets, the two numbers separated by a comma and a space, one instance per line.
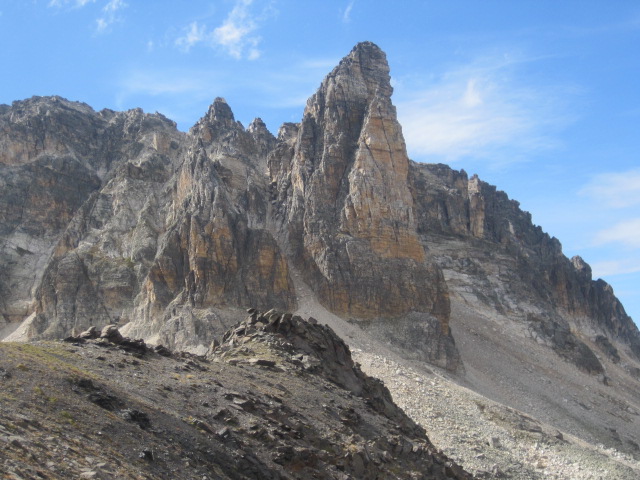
[489, 439]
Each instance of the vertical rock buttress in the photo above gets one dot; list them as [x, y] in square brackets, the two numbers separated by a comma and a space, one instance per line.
[346, 210]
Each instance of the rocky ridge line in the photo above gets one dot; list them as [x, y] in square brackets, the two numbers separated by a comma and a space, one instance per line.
[164, 414]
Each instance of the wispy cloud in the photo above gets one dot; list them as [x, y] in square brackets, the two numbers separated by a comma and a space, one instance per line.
[194, 34]
[236, 35]
[626, 232]
[617, 190]
[75, 3]
[168, 82]
[615, 267]
[346, 15]
[110, 14]
[480, 111]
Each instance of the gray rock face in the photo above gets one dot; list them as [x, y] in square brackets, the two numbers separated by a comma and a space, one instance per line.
[73, 184]
[491, 253]
[215, 251]
[345, 210]
[118, 218]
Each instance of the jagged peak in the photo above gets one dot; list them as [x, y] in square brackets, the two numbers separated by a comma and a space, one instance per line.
[36, 106]
[367, 47]
[264, 139]
[35, 102]
[581, 266]
[258, 122]
[257, 126]
[367, 62]
[368, 54]
[219, 115]
[349, 91]
[288, 130]
[220, 111]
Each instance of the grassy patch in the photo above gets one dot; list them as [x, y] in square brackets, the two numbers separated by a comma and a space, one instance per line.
[6, 397]
[51, 355]
[67, 417]
[42, 394]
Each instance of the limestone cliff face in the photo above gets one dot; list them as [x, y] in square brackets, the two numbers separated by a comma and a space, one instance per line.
[117, 217]
[555, 297]
[345, 208]
[94, 272]
[55, 126]
[172, 235]
[215, 252]
[71, 174]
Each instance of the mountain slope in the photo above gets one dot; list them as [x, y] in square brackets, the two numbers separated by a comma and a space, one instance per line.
[110, 407]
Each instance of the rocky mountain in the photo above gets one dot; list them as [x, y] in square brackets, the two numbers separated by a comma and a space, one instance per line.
[119, 218]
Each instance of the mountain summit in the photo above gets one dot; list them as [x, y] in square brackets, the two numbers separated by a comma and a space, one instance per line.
[118, 218]
[346, 212]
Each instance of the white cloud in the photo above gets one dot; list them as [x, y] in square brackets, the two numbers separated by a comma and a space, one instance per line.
[626, 232]
[109, 14]
[478, 111]
[101, 25]
[472, 97]
[75, 3]
[346, 16]
[618, 190]
[194, 34]
[113, 6]
[235, 35]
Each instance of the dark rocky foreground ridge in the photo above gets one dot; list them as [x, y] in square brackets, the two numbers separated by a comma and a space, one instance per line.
[279, 398]
[118, 218]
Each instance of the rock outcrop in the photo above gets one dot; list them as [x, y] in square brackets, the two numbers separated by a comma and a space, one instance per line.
[491, 253]
[285, 342]
[345, 205]
[78, 191]
[237, 415]
[340, 181]
[215, 250]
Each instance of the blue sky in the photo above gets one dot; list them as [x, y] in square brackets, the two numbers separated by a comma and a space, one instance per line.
[540, 98]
